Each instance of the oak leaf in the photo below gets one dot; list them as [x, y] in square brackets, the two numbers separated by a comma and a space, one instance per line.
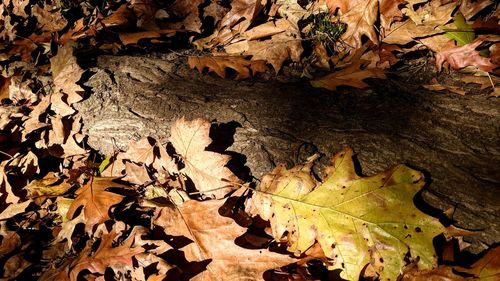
[360, 21]
[218, 64]
[206, 169]
[105, 256]
[188, 11]
[356, 220]
[466, 55]
[213, 239]
[470, 8]
[389, 12]
[352, 75]
[49, 18]
[432, 13]
[96, 201]
[279, 48]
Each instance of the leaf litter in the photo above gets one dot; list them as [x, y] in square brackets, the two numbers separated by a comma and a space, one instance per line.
[65, 221]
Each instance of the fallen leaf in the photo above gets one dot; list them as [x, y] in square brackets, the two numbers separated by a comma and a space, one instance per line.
[356, 220]
[487, 268]
[10, 239]
[431, 14]
[144, 11]
[14, 266]
[464, 34]
[136, 174]
[50, 185]
[105, 256]
[360, 21]
[218, 64]
[279, 48]
[14, 209]
[189, 13]
[213, 242]
[206, 169]
[352, 76]
[129, 38]
[390, 12]
[459, 57]
[66, 72]
[469, 8]
[96, 201]
[441, 273]
[49, 17]
[439, 87]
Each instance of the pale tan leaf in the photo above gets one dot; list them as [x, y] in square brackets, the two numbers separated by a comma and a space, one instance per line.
[14, 209]
[66, 72]
[206, 169]
[279, 48]
[141, 151]
[213, 240]
[67, 229]
[136, 173]
[49, 18]
[50, 185]
[432, 14]
[59, 106]
[360, 21]
[440, 87]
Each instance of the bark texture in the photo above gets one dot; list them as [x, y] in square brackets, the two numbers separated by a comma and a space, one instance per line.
[454, 139]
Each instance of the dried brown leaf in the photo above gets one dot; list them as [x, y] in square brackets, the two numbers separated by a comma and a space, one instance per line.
[96, 201]
[206, 169]
[218, 64]
[105, 256]
[470, 8]
[213, 239]
[49, 18]
[279, 48]
[66, 72]
[352, 76]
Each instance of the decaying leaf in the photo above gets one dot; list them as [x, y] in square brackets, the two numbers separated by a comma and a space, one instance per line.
[206, 169]
[356, 220]
[218, 64]
[213, 241]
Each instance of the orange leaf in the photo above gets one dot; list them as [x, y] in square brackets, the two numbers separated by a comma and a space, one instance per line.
[350, 76]
[96, 201]
[218, 64]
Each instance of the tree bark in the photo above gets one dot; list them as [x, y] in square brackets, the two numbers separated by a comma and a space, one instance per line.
[453, 139]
